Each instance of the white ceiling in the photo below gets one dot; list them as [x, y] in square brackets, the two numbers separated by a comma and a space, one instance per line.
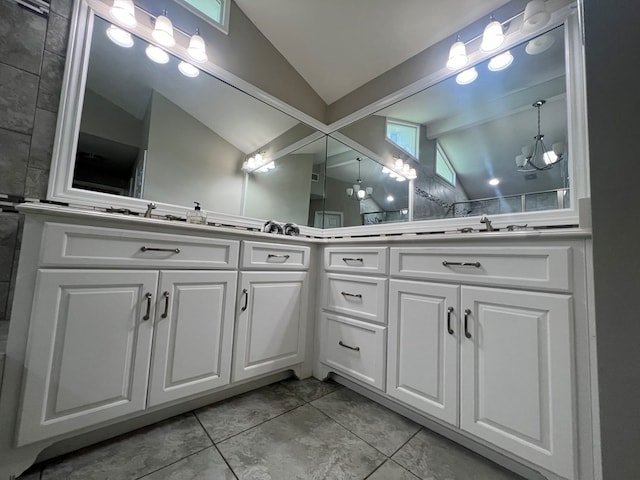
[339, 45]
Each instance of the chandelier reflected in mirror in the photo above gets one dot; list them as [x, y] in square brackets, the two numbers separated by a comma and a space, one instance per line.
[536, 156]
[358, 192]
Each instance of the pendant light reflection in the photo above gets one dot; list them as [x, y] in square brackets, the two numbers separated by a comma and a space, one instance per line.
[540, 44]
[500, 62]
[120, 37]
[467, 77]
[492, 37]
[197, 50]
[157, 54]
[124, 12]
[536, 16]
[163, 31]
[188, 70]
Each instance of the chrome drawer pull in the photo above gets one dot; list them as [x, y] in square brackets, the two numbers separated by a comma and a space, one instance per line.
[461, 264]
[347, 260]
[449, 312]
[273, 255]
[245, 294]
[151, 249]
[467, 312]
[166, 305]
[355, 349]
[148, 297]
[354, 295]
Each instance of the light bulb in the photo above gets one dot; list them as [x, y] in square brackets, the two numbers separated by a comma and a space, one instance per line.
[492, 37]
[390, 198]
[457, 56]
[413, 174]
[500, 62]
[536, 16]
[405, 168]
[163, 32]
[251, 162]
[157, 54]
[356, 187]
[258, 158]
[467, 77]
[120, 37]
[349, 192]
[124, 12]
[188, 70]
[550, 157]
[197, 49]
[369, 190]
[494, 182]
[399, 163]
[361, 194]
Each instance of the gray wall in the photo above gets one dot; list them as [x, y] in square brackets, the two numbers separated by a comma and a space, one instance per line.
[32, 55]
[104, 119]
[612, 40]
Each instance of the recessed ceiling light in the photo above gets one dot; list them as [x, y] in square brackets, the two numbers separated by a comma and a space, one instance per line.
[120, 37]
[494, 182]
[157, 54]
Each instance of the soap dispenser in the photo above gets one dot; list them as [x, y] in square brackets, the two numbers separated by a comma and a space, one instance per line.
[196, 216]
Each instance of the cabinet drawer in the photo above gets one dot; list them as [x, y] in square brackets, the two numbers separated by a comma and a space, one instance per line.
[546, 268]
[354, 348]
[364, 297]
[360, 260]
[76, 245]
[274, 256]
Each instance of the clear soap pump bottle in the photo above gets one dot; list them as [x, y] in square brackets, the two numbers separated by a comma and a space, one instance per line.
[196, 215]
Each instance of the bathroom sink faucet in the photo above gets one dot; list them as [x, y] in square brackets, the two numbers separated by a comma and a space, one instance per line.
[150, 207]
[487, 222]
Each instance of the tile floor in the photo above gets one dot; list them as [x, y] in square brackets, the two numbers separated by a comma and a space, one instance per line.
[289, 430]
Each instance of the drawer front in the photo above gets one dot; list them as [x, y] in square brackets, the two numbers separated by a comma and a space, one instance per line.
[545, 268]
[364, 297]
[360, 260]
[75, 245]
[259, 255]
[354, 348]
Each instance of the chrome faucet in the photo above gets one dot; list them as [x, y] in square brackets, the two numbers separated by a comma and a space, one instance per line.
[151, 206]
[487, 222]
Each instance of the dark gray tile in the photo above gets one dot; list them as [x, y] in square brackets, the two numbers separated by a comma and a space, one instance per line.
[134, 455]
[18, 93]
[22, 37]
[4, 299]
[36, 183]
[44, 131]
[302, 444]
[62, 7]
[30, 475]
[310, 389]
[392, 471]
[57, 34]
[378, 426]
[429, 455]
[207, 464]
[227, 418]
[50, 81]
[14, 153]
[8, 236]
[4, 333]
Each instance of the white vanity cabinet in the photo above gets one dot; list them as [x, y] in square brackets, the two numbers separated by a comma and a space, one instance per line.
[271, 324]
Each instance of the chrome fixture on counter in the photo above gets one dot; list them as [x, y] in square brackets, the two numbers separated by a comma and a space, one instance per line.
[487, 222]
[151, 206]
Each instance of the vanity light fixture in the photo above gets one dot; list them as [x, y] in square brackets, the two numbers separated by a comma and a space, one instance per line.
[163, 31]
[536, 16]
[401, 171]
[467, 76]
[197, 49]
[500, 62]
[358, 192]
[457, 55]
[157, 54]
[124, 12]
[492, 37]
[537, 156]
[119, 36]
[188, 70]
[257, 162]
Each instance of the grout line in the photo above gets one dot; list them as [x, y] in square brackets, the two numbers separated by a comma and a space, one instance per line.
[226, 462]
[408, 440]
[214, 444]
[377, 468]
[173, 463]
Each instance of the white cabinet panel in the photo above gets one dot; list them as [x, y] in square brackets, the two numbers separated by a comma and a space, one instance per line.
[360, 296]
[422, 368]
[271, 327]
[88, 350]
[515, 380]
[193, 334]
[356, 260]
[275, 256]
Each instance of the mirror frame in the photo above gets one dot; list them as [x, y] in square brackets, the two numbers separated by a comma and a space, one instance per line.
[74, 82]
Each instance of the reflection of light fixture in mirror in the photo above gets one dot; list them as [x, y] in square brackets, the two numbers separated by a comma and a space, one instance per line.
[357, 192]
[258, 162]
[157, 54]
[492, 37]
[163, 31]
[494, 182]
[400, 171]
[197, 49]
[457, 55]
[500, 62]
[540, 44]
[467, 77]
[536, 16]
[124, 12]
[188, 70]
[390, 198]
[537, 156]
[119, 36]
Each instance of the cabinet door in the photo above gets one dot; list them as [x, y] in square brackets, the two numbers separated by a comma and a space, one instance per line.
[271, 322]
[422, 358]
[193, 334]
[88, 353]
[515, 380]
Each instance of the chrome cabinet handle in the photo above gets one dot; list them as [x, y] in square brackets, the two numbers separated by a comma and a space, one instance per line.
[152, 249]
[467, 312]
[273, 255]
[355, 349]
[148, 297]
[354, 295]
[449, 312]
[347, 260]
[166, 305]
[245, 292]
[461, 264]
